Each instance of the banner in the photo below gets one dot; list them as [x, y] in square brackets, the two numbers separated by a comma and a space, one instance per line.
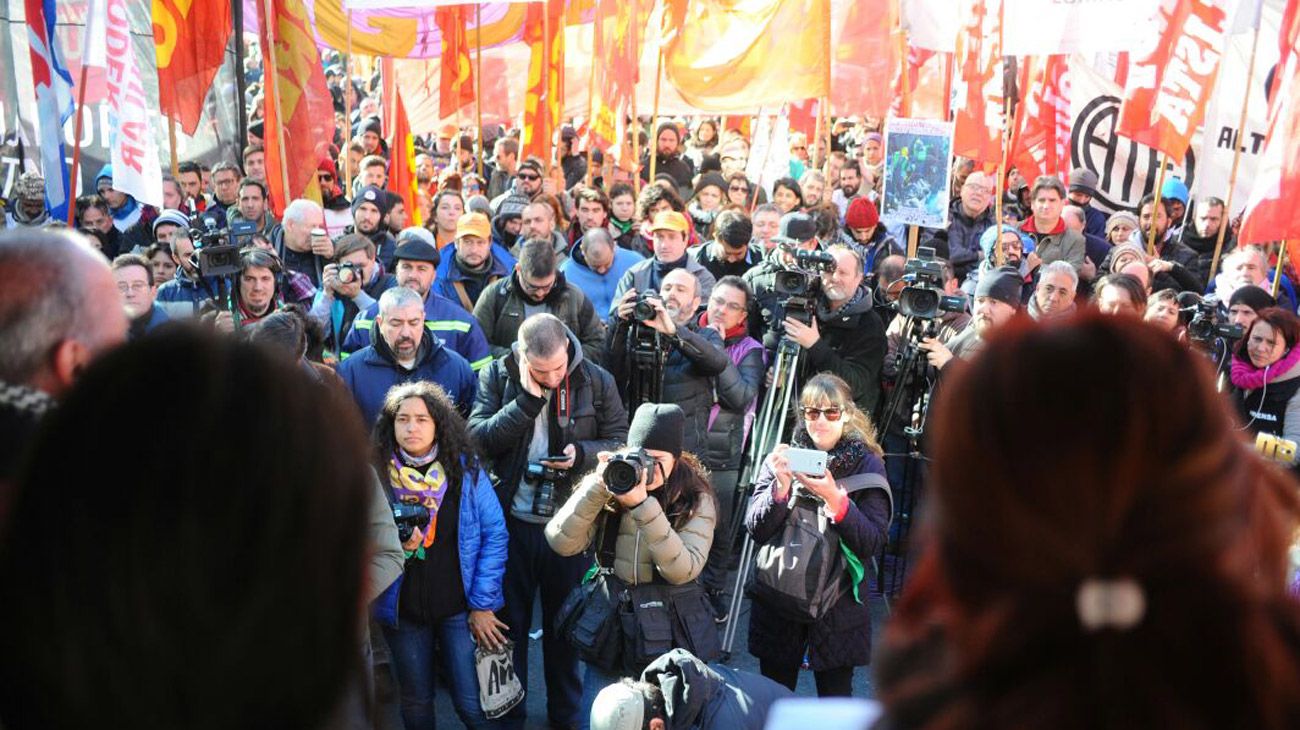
[1272, 213]
[931, 24]
[1042, 139]
[1046, 27]
[1170, 78]
[729, 56]
[53, 85]
[190, 37]
[543, 100]
[916, 185]
[401, 144]
[617, 42]
[980, 108]
[304, 123]
[456, 85]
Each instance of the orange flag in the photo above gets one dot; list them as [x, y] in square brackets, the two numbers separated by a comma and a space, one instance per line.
[456, 87]
[979, 119]
[401, 143]
[1272, 213]
[865, 57]
[726, 56]
[305, 120]
[617, 39]
[1041, 145]
[1169, 83]
[190, 44]
[542, 102]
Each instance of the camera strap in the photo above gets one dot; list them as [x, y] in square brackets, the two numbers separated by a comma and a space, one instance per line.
[608, 540]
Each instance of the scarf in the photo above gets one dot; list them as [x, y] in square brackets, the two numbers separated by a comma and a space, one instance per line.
[1248, 377]
[419, 481]
[622, 226]
[730, 334]
[824, 312]
[483, 269]
[842, 459]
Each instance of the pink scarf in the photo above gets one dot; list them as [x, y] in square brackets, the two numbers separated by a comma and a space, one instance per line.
[1248, 377]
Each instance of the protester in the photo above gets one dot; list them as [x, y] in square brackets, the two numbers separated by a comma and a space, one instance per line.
[448, 207]
[706, 203]
[134, 277]
[862, 221]
[1203, 235]
[369, 208]
[1162, 311]
[786, 195]
[1120, 226]
[1054, 295]
[1266, 376]
[1016, 247]
[539, 222]
[767, 223]
[28, 206]
[1053, 241]
[730, 253]
[1083, 188]
[1121, 294]
[1248, 266]
[968, 218]
[301, 242]
[669, 159]
[168, 225]
[855, 496]
[473, 263]
[160, 260]
[1172, 267]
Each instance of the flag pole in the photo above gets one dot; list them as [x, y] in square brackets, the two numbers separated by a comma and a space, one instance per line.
[241, 84]
[998, 252]
[591, 89]
[906, 107]
[76, 148]
[635, 127]
[347, 113]
[1160, 184]
[275, 99]
[826, 43]
[771, 140]
[1236, 158]
[1281, 264]
[171, 140]
[653, 152]
[478, 85]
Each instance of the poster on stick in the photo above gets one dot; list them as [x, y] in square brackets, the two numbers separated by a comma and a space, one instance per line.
[916, 172]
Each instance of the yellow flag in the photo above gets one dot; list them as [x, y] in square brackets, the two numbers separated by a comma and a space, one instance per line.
[726, 55]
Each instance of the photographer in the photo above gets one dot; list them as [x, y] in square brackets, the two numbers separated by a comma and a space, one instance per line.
[349, 286]
[689, 355]
[797, 232]
[180, 298]
[670, 230]
[665, 525]
[451, 587]
[997, 301]
[543, 399]
[369, 209]
[949, 326]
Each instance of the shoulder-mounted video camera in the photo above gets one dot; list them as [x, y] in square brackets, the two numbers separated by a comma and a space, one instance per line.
[1208, 322]
[923, 295]
[217, 248]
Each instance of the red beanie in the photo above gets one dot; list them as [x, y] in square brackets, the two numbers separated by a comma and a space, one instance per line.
[862, 213]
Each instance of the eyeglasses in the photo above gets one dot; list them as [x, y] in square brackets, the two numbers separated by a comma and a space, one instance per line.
[132, 286]
[831, 414]
[325, 178]
[532, 288]
[529, 178]
[729, 306]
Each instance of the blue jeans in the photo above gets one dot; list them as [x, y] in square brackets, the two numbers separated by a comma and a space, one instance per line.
[414, 645]
[592, 683]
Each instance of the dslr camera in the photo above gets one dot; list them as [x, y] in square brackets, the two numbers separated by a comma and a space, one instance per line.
[217, 248]
[626, 469]
[408, 517]
[923, 296]
[350, 272]
[546, 483]
[643, 310]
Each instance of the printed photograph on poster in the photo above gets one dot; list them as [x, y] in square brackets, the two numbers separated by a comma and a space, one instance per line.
[916, 172]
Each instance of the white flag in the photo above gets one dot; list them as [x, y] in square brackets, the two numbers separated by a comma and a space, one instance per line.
[931, 24]
[133, 145]
[94, 53]
[1046, 27]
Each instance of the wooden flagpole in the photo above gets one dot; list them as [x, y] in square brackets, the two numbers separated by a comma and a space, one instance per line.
[171, 141]
[596, 31]
[275, 99]
[1236, 158]
[76, 149]
[1281, 264]
[830, 53]
[999, 255]
[1160, 183]
[478, 86]
[347, 113]
[654, 114]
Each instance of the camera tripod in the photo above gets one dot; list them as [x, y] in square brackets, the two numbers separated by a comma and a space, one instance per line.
[645, 354]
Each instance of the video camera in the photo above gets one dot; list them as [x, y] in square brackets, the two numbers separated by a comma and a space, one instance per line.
[408, 517]
[216, 248]
[1208, 322]
[626, 469]
[923, 296]
[799, 284]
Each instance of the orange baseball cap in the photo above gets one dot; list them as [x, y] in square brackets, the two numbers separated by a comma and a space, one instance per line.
[474, 224]
[670, 220]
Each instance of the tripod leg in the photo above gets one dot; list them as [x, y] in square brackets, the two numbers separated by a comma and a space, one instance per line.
[737, 595]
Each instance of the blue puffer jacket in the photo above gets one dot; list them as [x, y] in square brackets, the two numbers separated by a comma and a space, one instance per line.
[444, 282]
[372, 371]
[599, 288]
[180, 298]
[457, 328]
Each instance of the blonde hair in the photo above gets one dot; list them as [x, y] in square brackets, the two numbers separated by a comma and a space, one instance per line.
[828, 389]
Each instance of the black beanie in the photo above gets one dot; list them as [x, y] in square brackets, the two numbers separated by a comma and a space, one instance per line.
[1253, 297]
[1002, 284]
[658, 426]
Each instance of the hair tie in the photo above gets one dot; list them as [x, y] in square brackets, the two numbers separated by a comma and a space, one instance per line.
[1116, 604]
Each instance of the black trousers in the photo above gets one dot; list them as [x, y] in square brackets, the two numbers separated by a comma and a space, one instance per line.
[830, 682]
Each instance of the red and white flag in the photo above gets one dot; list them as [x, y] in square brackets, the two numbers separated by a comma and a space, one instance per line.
[1272, 213]
[980, 109]
[1042, 138]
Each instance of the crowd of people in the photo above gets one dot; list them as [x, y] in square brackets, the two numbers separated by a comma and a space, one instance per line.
[551, 326]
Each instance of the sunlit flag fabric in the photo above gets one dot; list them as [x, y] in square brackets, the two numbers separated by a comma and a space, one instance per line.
[401, 144]
[1042, 137]
[190, 38]
[456, 83]
[53, 85]
[1272, 213]
[542, 99]
[979, 120]
[617, 35]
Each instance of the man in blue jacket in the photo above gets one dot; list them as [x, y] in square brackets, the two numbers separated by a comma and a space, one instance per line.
[417, 262]
[404, 352]
[595, 265]
[474, 263]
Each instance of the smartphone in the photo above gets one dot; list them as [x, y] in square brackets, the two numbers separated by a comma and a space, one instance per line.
[555, 457]
[806, 461]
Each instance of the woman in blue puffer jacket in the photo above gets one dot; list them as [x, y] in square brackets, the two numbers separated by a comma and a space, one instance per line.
[451, 587]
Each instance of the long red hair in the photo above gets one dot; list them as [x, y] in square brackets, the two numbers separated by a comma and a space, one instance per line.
[1043, 478]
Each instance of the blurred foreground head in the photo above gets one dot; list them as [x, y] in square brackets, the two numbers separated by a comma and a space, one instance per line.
[211, 577]
[1097, 555]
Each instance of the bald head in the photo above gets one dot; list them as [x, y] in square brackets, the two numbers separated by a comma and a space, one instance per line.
[59, 308]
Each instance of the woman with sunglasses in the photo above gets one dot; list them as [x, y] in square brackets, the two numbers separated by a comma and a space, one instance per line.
[739, 190]
[841, 639]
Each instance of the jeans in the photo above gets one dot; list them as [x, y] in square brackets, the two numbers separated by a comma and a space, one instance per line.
[532, 568]
[717, 567]
[413, 645]
[592, 683]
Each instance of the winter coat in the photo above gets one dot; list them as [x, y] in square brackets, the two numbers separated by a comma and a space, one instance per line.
[449, 276]
[1060, 244]
[644, 276]
[712, 696]
[705, 254]
[180, 298]
[452, 325]
[599, 288]
[1273, 409]
[22, 408]
[372, 371]
[502, 307]
[647, 545]
[736, 392]
[842, 638]
[1182, 277]
[852, 346]
[679, 168]
[963, 237]
[502, 420]
[694, 357]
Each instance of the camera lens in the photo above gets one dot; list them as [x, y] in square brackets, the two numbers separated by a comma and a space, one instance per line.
[621, 475]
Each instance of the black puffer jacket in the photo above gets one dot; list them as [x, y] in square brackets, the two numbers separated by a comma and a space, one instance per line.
[694, 357]
[735, 389]
[501, 421]
[852, 346]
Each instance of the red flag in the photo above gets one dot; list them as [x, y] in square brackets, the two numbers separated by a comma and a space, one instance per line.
[401, 143]
[542, 102]
[190, 43]
[803, 116]
[1272, 213]
[864, 58]
[1041, 144]
[305, 121]
[456, 88]
[1170, 82]
[979, 120]
[617, 43]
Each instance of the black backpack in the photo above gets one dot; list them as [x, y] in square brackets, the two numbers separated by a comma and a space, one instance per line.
[801, 572]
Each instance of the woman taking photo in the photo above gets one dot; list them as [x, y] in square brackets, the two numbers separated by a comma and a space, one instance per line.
[665, 528]
[452, 583]
[1266, 375]
[841, 639]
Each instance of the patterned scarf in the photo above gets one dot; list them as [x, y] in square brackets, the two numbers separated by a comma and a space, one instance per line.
[419, 481]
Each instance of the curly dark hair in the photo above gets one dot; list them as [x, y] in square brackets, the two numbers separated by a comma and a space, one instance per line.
[650, 197]
[452, 435]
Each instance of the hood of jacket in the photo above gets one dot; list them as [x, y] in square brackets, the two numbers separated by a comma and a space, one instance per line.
[688, 685]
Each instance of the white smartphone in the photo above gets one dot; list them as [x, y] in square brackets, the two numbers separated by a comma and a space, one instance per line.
[806, 461]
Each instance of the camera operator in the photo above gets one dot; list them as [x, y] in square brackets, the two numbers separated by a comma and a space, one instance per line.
[543, 399]
[670, 230]
[369, 209]
[692, 355]
[997, 300]
[180, 298]
[301, 243]
[257, 293]
[349, 286]
[797, 231]
[950, 325]
[665, 522]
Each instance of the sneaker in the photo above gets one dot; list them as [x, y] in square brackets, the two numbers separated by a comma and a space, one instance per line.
[721, 606]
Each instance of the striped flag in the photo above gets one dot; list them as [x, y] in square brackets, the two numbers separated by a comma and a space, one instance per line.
[53, 86]
[1272, 213]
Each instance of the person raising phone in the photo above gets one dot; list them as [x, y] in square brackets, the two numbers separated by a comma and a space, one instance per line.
[841, 640]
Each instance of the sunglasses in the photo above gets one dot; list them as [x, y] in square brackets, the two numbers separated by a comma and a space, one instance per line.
[831, 414]
[529, 178]
[738, 189]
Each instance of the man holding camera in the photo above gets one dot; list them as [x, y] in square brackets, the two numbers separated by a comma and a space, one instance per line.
[796, 232]
[997, 300]
[670, 230]
[180, 297]
[543, 411]
[691, 355]
[350, 285]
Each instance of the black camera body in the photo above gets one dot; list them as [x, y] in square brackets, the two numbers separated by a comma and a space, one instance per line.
[350, 272]
[799, 284]
[218, 248]
[923, 296]
[644, 310]
[1207, 323]
[626, 469]
[547, 483]
[408, 517]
